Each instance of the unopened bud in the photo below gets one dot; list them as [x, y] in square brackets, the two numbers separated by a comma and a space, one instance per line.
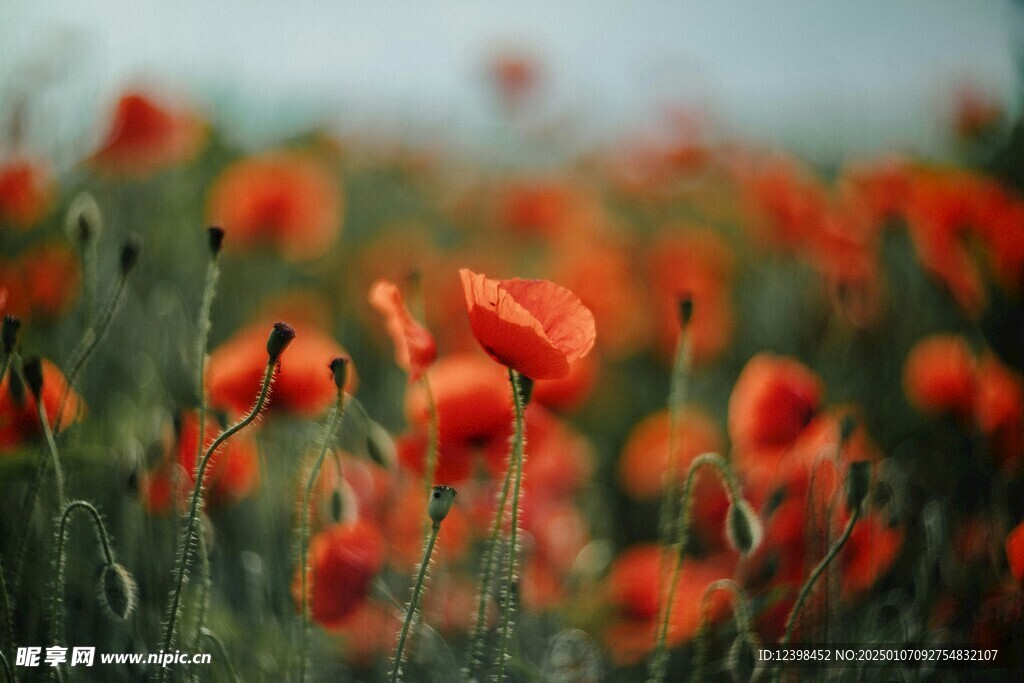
[337, 505]
[83, 219]
[685, 309]
[32, 369]
[441, 501]
[215, 236]
[130, 252]
[743, 528]
[280, 337]
[9, 334]
[339, 371]
[116, 591]
[858, 482]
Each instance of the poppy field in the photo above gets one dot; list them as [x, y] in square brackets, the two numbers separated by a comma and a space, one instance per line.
[344, 408]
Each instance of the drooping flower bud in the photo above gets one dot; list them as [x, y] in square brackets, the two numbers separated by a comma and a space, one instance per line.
[83, 220]
[130, 252]
[215, 235]
[339, 371]
[32, 369]
[116, 591]
[441, 501]
[743, 527]
[280, 337]
[9, 335]
[858, 482]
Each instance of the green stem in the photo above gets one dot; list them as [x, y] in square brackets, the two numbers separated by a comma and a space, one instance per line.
[186, 545]
[432, 436]
[58, 473]
[518, 443]
[417, 590]
[5, 604]
[8, 674]
[87, 344]
[741, 607]
[805, 590]
[476, 649]
[221, 652]
[57, 599]
[339, 410]
[659, 658]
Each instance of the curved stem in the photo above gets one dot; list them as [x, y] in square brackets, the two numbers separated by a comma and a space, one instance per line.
[417, 590]
[336, 415]
[222, 652]
[102, 538]
[659, 658]
[518, 443]
[90, 339]
[805, 590]
[186, 544]
[58, 473]
[8, 674]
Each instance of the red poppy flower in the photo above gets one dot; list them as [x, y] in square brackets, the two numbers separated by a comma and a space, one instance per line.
[26, 192]
[568, 393]
[868, 555]
[532, 326]
[147, 135]
[773, 400]
[303, 384]
[1015, 552]
[18, 418]
[42, 282]
[939, 375]
[286, 201]
[514, 75]
[343, 560]
[998, 410]
[785, 200]
[415, 348]
[232, 474]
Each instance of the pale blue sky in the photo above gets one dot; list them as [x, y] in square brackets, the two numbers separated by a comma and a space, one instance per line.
[823, 77]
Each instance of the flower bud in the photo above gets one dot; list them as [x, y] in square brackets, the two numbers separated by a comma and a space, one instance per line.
[441, 501]
[858, 481]
[339, 371]
[83, 219]
[280, 337]
[116, 591]
[130, 252]
[337, 506]
[9, 334]
[685, 309]
[743, 528]
[215, 235]
[32, 369]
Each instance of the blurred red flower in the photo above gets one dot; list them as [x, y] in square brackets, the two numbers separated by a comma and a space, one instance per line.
[415, 348]
[18, 419]
[940, 375]
[343, 560]
[698, 263]
[1015, 552]
[515, 76]
[999, 411]
[232, 474]
[42, 282]
[303, 383]
[772, 402]
[26, 192]
[565, 394]
[287, 201]
[146, 135]
[532, 326]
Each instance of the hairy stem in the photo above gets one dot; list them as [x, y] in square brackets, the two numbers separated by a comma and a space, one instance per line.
[417, 590]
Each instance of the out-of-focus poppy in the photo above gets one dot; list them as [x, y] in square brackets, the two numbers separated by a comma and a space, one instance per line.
[633, 589]
[999, 410]
[643, 467]
[232, 474]
[343, 560]
[1015, 552]
[977, 113]
[146, 135]
[560, 458]
[773, 400]
[532, 326]
[868, 555]
[567, 393]
[940, 375]
[303, 384]
[785, 201]
[879, 187]
[515, 75]
[415, 348]
[42, 281]
[26, 192]
[18, 418]
[287, 201]
[697, 263]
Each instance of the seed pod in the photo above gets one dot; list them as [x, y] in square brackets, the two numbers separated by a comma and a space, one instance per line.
[441, 501]
[9, 335]
[215, 235]
[280, 337]
[339, 370]
[130, 252]
[858, 481]
[32, 369]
